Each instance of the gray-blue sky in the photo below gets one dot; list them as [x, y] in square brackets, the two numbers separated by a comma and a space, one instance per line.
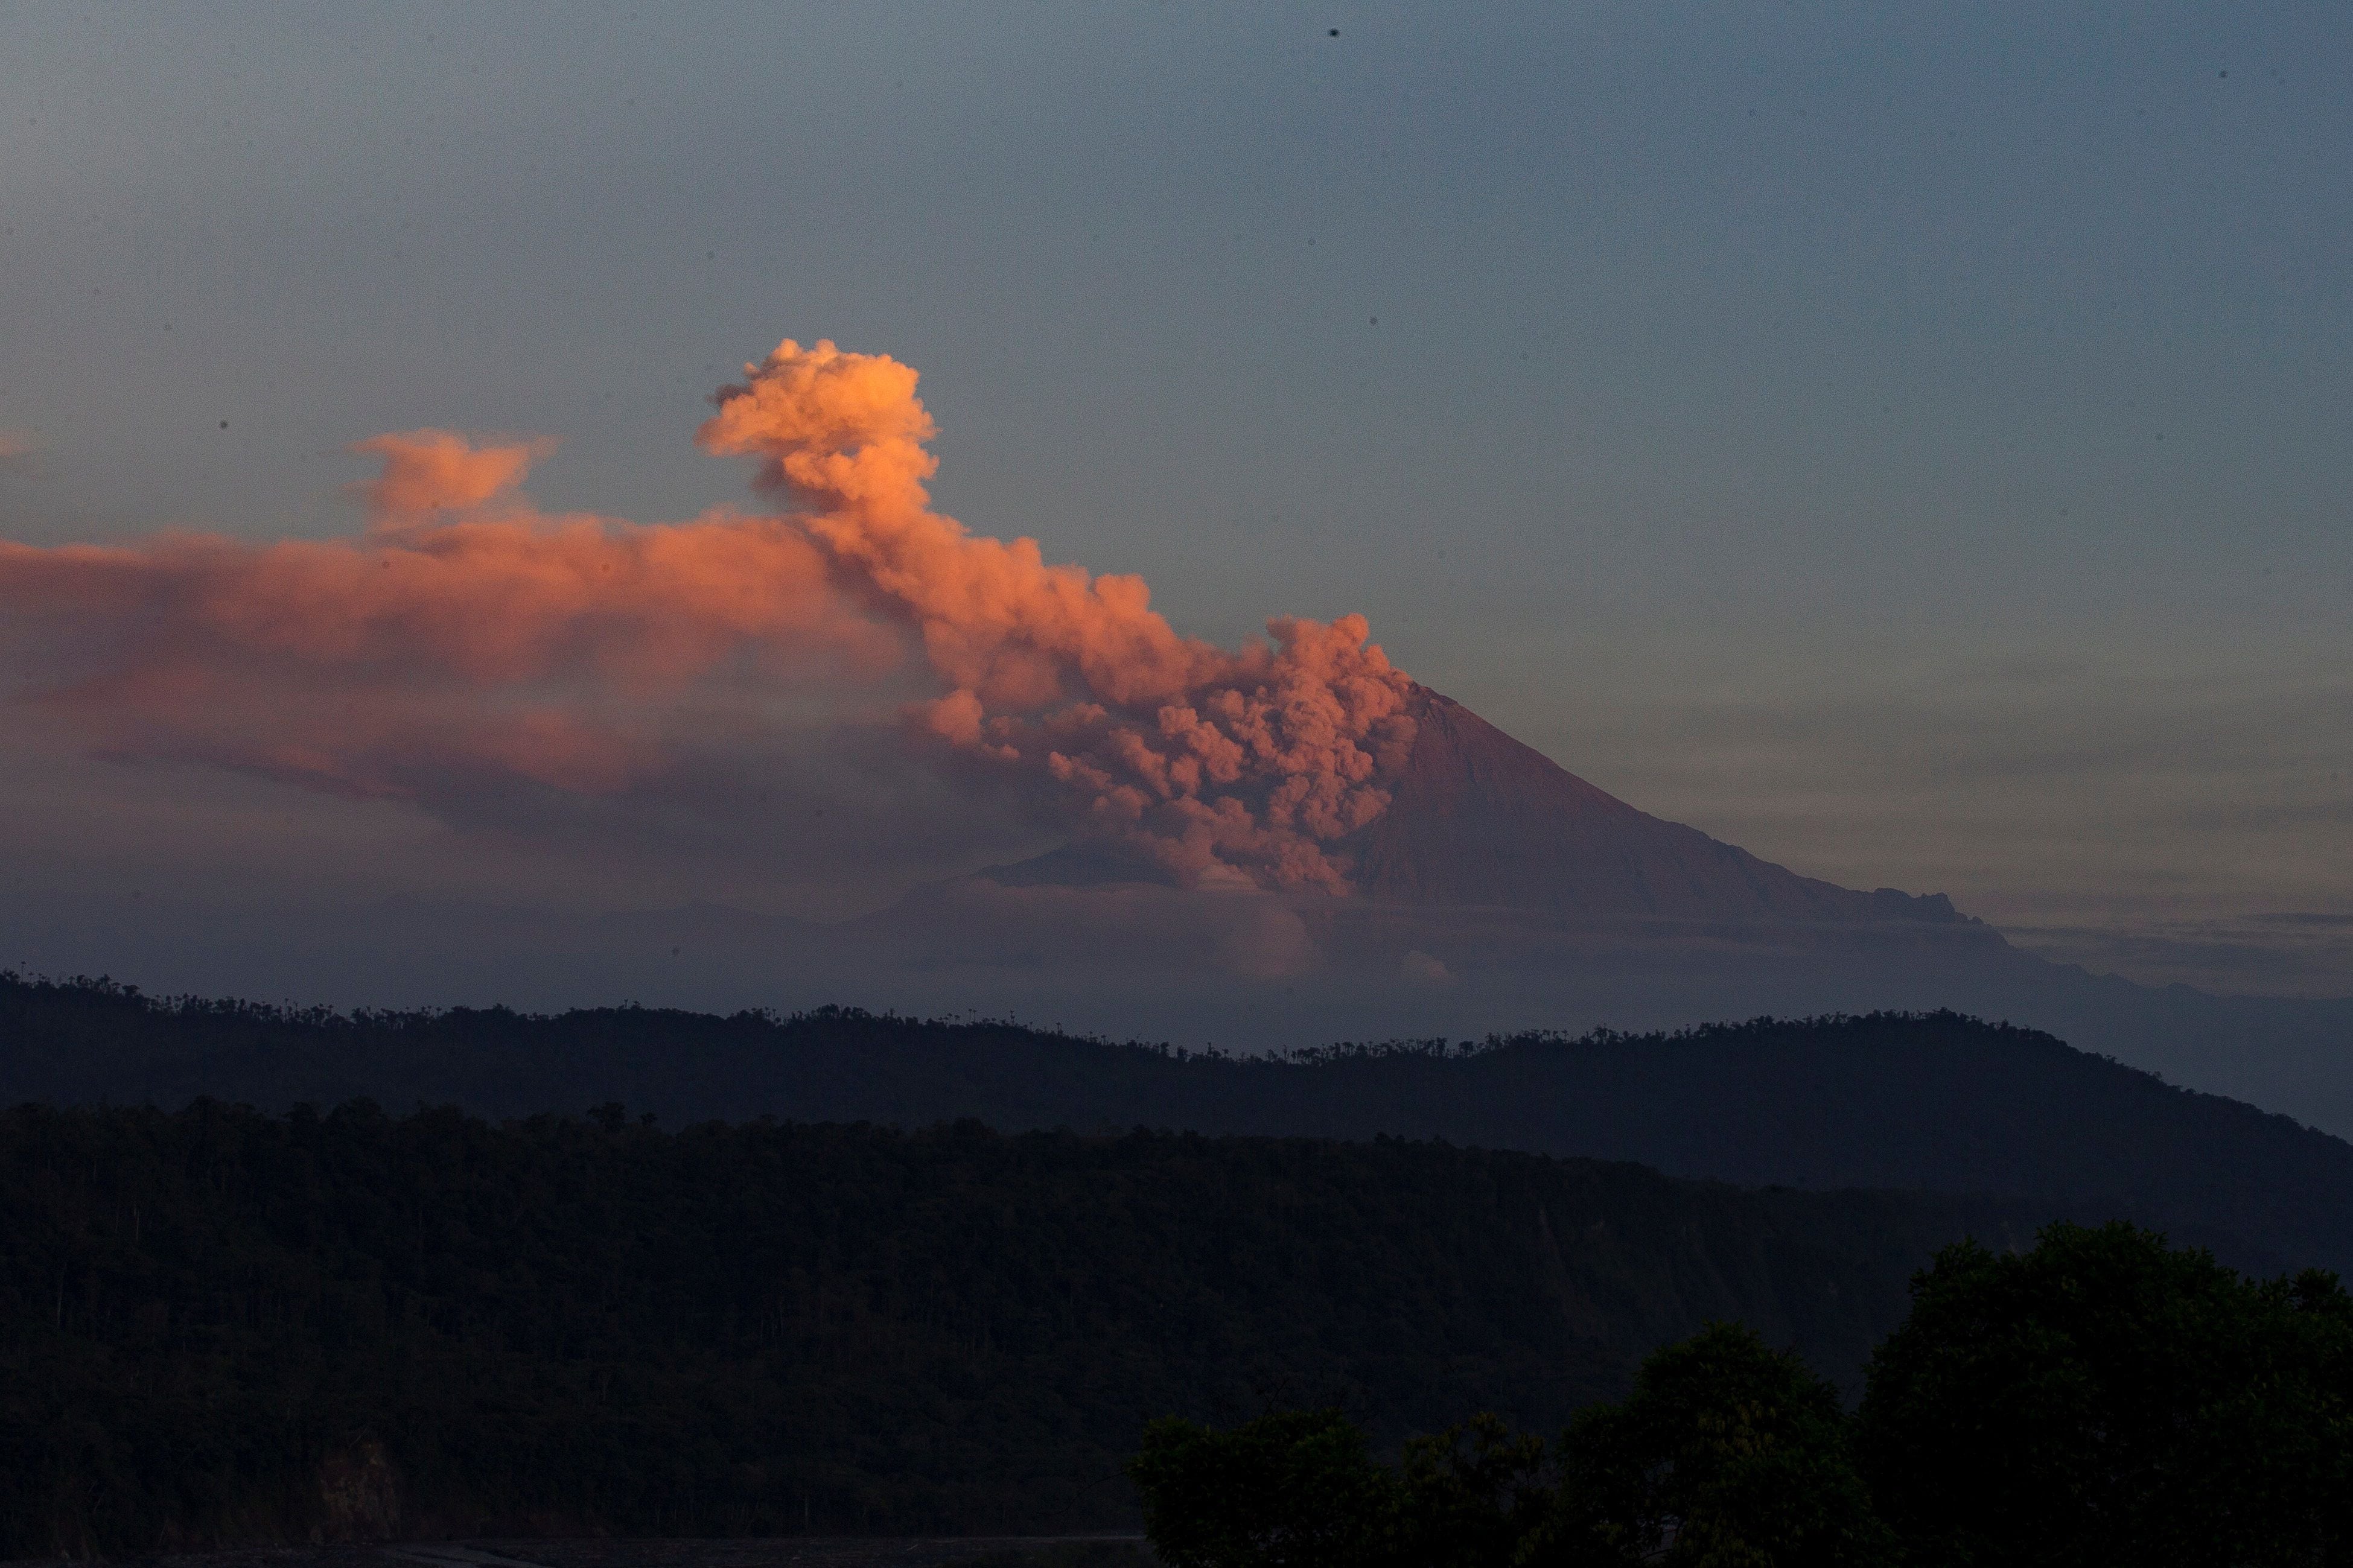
[1908, 441]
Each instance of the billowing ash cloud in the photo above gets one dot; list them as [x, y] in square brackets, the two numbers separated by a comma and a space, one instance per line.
[466, 638]
[464, 635]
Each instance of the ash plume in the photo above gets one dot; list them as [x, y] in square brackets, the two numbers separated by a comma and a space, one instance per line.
[464, 635]
[466, 638]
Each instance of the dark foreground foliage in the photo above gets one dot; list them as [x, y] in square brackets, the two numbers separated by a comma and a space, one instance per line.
[1726, 1452]
[219, 1325]
[2099, 1402]
[2103, 1399]
[1893, 1101]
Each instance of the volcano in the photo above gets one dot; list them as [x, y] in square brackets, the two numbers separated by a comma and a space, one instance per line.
[1479, 819]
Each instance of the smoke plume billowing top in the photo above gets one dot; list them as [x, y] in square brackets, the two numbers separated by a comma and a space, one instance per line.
[465, 638]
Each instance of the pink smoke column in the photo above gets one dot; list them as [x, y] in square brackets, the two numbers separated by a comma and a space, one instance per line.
[465, 634]
[1214, 761]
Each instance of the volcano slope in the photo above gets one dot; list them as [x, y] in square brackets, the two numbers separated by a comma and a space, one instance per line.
[1499, 895]
[1478, 818]
[1500, 892]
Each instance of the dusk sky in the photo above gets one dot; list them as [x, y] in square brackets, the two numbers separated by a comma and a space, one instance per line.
[1911, 444]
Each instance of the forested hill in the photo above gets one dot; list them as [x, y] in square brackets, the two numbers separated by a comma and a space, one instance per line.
[1934, 1102]
[216, 1325]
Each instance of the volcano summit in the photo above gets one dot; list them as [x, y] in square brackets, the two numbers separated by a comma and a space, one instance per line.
[1477, 819]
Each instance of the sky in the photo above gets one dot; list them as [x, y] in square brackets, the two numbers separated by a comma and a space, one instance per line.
[1909, 443]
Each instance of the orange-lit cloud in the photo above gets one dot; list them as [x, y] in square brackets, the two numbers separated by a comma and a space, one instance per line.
[1218, 762]
[466, 637]
[495, 641]
[425, 471]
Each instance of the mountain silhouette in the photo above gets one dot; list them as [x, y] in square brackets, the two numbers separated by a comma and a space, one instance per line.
[1499, 893]
[1478, 818]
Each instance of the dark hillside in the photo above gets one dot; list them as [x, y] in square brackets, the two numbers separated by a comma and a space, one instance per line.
[217, 1325]
[1934, 1102]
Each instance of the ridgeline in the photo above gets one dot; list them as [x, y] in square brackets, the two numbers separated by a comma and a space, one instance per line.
[1934, 1102]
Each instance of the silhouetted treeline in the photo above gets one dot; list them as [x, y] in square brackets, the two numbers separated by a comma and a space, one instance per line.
[1936, 1101]
[2101, 1401]
[216, 1325]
